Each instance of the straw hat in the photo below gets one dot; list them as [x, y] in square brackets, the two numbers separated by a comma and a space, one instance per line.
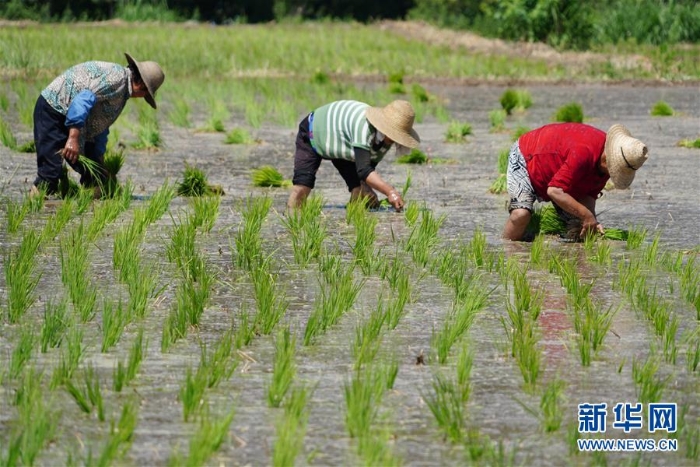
[396, 121]
[152, 76]
[625, 155]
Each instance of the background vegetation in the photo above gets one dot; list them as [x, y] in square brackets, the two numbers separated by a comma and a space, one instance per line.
[561, 23]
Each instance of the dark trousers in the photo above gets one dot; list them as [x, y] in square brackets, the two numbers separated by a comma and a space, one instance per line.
[50, 136]
[307, 161]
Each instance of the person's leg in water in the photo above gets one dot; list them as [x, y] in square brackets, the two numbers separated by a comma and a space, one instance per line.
[306, 164]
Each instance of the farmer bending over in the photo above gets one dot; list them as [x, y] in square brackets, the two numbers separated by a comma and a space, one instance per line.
[354, 137]
[73, 114]
[568, 164]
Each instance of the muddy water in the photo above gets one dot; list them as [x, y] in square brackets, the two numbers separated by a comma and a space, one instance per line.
[662, 199]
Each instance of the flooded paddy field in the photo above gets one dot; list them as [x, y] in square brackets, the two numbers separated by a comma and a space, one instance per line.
[490, 341]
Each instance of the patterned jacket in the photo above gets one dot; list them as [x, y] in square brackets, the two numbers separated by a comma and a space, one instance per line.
[92, 95]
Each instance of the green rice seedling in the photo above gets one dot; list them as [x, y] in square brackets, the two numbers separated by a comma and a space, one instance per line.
[537, 254]
[245, 331]
[524, 298]
[477, 249]
[70, 357]
[192, 392]
[411, 214]
[290, 428]
[650, 252]
[692, 354]
[21, 278]
[218, 115]
[389, 371]
[416, 156]
[500, 185]
[396, 88]
[159, 202]
[270, 302]
[365, 236]
[22, 352]
[238, 136]
[179, 114]
[465, 362]
[114, 320]
[142, 287]
[220, 364]
[207, 439]
[283, 368]
[571, 112]
[320, 77]
[55, 224]
[15, 213]
[550, 406]
[690, 143]
[175, 326]
[375, 448]
[661, 109]
[419, 93]
[424, 237]
[456, 324]
[124, 373]
[691, 440]
[181, 248]
[518, 132]
[330, 265]
[89, 397]
[121, 434]
[509, 100]
[528, 354]
[55, 324]
[457, 132]
[205, 212]
[602, 254]
[650, 388]
[618, 235]
[4, 102]
[497, 119]
[84, 198]
[7, 137]
[447, 406]
[126, 257]
[669, 340]
[248, 241]
[336, 298]
[269, 176]
[36, 423]
[524, 99]
[396, 307]
[363, 395]
[307, 230]
[194, 182]
[368, 336]
[148, 132]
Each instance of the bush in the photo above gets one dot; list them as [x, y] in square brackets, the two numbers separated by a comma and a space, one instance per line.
[572, 112]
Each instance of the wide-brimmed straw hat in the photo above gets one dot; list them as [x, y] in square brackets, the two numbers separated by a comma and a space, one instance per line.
[151, 75]
[396, 121]
[624, 154]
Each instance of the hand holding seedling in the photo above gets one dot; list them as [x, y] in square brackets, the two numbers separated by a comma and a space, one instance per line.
[591, 225]
[71, 150]
[395, 200]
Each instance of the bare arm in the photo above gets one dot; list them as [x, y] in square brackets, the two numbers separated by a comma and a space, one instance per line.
[72, 147]
[376, 182]
[584, 210]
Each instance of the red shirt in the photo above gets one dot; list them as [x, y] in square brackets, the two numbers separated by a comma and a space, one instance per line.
[565, 155]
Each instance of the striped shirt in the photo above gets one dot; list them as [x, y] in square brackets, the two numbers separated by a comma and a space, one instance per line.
[109, 82]
[340, 127]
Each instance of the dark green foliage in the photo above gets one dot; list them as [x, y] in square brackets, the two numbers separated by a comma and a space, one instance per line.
[194, 182]
[509, 100]
[419, 93]
[571, 112]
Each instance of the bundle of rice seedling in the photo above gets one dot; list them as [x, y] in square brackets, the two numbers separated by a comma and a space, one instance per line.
[269, 176]
[194, 182]
[545, 220]
[416, 156]
[500, 185]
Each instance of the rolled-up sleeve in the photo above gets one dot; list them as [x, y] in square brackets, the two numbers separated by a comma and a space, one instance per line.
[79, 109]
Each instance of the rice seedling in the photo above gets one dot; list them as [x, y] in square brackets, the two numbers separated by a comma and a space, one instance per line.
[592, 325]
[291, 428]
[181, 248]
[248, 241]
[55, 324]
[661, 109]
[509, 100]
[15, 213]
[363, 395]
[424, 237]
[571, 112]
[121, 434]
[650, 388]
[416, 156]
[21, 278]
[528, 354]
[550, 406]
[194, 182]
[269, 176]
[525, 299]
[336, 298]
[205, 212]
[365, 236]
[457, 323]
[692, 354]
[465, 362]
[239, 136]
[159, 203]
[7, 137]
[124, 373]
[411, 213]
[88, 397]
[218, 115]
[148, 135]
[142, 287]
[206, 440]
[368, 336]
[447, 406]
[114, 320]
[55, 224]
[457, 132]
[669, 340]
[270, 301]
[245, 331]
[179, 114]
[500, 185]
[650, 252]
[70, 357]
[219, 364]
[375, 449]
[36, 423]
[396, 308]
[307, 229]
[690, 143]
[22, 352]
[497, 119]
[283, 368]
[602, 254]
[537, 254]
[192, 392]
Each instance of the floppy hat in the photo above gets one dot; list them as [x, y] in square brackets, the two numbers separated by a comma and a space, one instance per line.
[396, 121]
[151, 75]
[624, 154]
